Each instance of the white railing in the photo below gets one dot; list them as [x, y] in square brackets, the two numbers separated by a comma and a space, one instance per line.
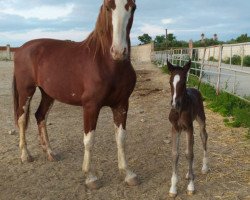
[215, 65]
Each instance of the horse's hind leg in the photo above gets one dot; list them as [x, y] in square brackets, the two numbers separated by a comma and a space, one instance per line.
[190, 158]
[204, 136]
[41, 117]
[24, 98]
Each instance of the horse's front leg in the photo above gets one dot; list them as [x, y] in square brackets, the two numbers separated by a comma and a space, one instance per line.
[120, 117]
[91, 112]
[175, 158]
[190, 158]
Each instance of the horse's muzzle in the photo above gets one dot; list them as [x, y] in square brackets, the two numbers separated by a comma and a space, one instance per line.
[118, 55]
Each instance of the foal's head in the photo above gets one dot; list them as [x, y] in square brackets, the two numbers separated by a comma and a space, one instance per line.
[178, 83]
[121, 13]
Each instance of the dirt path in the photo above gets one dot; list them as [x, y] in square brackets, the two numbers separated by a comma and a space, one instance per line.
[148, 150]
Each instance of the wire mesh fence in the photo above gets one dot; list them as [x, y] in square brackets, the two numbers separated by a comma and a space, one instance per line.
[226, 67]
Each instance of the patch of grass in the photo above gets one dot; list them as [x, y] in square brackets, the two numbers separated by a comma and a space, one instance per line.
[164, 69]
[225, 104]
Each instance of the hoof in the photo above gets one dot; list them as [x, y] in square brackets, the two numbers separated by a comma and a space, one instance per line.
[204, 171]
[53, 157]
[190, 192]
[134, 181]
[94, 185]
[27, 159]
[172, 195]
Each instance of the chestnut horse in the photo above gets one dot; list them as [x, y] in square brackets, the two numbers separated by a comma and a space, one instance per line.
[94, 73]
[187, 106]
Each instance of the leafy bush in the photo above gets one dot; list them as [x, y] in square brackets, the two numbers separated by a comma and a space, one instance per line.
[246, 61]
[225, 104]
[212, 59]
[236, 60]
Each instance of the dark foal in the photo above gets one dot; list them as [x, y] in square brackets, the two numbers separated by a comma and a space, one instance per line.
[187, 106]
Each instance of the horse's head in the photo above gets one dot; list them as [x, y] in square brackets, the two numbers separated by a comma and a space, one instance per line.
[178, 77]
[121, 12]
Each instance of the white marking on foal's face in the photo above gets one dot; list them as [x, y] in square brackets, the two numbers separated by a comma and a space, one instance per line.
[120, 19]
[175, 82]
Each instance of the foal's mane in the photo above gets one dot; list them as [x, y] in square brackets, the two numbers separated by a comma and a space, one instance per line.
[100, 38]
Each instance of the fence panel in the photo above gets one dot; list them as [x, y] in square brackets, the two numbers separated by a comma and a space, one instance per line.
[226, 67]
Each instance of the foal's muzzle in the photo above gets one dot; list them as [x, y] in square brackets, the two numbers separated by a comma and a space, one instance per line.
[177, 104]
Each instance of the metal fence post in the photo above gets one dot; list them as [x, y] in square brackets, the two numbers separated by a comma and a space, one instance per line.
[202, 63]
[219, 70]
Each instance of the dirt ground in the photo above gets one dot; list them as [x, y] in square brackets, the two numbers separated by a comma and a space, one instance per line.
[148, 150]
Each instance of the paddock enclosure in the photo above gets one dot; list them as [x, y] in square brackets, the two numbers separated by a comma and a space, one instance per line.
[148, 150]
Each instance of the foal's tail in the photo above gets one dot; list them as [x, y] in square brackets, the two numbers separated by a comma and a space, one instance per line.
[15, 98]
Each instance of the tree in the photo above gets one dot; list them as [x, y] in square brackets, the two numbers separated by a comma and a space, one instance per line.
[160, 42]
[243, 38]
[145, 38]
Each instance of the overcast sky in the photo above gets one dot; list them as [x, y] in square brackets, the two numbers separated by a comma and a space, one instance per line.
[23, 20]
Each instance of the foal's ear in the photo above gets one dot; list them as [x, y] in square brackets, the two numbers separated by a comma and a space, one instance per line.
[187, 65]
[170, 66]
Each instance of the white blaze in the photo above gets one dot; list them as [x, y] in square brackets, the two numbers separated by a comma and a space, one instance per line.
[120, 18]
[176, 80]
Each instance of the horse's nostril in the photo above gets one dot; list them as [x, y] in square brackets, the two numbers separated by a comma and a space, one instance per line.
[124, 51]
[112, 49]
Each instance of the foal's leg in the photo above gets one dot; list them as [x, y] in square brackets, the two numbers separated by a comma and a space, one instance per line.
[175, 157]
[25, 96]
[91, 112]
[190, 158]
[120, 117]
[204, 136]
[41, 117]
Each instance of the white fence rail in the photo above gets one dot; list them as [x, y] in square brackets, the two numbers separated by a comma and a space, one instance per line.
[214, 65]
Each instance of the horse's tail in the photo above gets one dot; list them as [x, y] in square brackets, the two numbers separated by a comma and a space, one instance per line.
[15, 98]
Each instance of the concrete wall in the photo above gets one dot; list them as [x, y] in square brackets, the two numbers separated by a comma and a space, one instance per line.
[239, 49]
[142, 53]
[7, 53]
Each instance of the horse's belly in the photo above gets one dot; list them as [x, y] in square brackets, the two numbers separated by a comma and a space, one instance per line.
[62, 92]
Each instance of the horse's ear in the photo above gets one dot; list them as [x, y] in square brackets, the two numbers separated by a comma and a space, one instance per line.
[187, 65]
[170, 66]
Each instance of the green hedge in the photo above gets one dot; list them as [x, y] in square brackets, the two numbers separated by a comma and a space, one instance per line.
[225, 104]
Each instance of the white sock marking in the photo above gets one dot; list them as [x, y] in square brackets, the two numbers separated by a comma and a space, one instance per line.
[205, 163]
[88, 143]
[191, 186]
[174, 180]
[120, 140]
[122, 162]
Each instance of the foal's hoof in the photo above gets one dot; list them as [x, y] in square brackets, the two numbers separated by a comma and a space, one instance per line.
[93, 185]
[52, 157]
[134, 181]
[27, 158]
[204, 170]
[172, 195]
[190, 192]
